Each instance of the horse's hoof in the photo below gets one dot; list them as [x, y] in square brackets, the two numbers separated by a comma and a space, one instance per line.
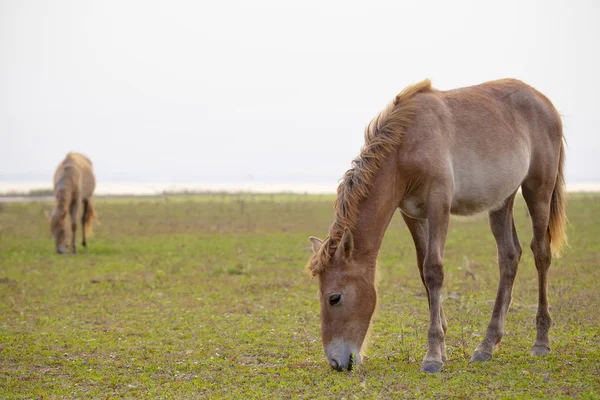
[480, 356]
[540, 350]
[432, 367]
[84, 244]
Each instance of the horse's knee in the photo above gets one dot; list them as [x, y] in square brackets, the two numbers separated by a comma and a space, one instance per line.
[513, 255]
[433, 274]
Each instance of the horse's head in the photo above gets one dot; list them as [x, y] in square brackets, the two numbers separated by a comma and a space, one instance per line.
[58, 229]
[348, 300]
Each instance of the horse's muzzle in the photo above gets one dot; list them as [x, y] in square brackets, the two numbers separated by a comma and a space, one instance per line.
[340, 367]
[341, 356]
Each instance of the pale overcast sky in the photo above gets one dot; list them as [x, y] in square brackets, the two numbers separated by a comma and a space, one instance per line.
[267, 90]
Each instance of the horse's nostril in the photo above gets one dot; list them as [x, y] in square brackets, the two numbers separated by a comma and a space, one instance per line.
[335, 365]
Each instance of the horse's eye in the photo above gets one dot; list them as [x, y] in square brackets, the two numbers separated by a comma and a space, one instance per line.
[334, 299]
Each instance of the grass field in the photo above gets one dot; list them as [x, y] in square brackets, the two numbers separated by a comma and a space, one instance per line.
[207, 297]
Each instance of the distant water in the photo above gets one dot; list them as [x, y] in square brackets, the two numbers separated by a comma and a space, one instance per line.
[152, 188]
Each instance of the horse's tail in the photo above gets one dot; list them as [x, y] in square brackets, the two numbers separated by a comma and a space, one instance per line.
[558, 209]
[90, 217]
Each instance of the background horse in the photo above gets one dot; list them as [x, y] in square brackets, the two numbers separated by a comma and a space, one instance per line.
[74, 184]
[432, 153]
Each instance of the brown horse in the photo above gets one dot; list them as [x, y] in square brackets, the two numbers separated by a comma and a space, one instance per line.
[431, 153]
[74, 183]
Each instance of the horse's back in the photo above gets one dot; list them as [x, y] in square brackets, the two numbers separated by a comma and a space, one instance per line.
[484, 140]
[76, 169]
[500, 111]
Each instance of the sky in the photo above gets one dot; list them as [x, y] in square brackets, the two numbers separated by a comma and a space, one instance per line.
[267, 90]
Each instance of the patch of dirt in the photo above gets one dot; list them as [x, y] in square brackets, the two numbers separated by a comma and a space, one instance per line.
[8, 281]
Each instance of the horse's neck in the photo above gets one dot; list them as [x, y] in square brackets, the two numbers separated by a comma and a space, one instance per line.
[376, 212]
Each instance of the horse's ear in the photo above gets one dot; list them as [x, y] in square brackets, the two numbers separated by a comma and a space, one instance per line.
[316, 243]
[344, 250]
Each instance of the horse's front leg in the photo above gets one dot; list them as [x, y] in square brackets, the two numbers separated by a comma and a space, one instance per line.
[73, 212]
[438, 216]
[418, 230]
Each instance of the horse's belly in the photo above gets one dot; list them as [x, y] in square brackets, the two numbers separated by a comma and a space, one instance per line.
[472, 205]
[483, 186]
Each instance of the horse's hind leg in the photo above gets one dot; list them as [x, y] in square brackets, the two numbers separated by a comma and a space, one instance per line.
[73, 212]
[509, 254]
[83, 218]
[418, 230]
[538, 198]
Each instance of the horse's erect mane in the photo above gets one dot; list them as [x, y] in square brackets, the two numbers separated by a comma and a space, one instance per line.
[383, 134]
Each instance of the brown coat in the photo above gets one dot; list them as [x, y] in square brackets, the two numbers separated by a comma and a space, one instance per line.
[431, 153]
[74, 184]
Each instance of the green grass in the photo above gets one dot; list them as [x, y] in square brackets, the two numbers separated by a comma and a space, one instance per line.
[207, 297]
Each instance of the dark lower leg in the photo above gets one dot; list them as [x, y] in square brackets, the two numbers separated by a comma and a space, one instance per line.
[418, 231]
[539, 209]
[83, 218]
[433, 275]
[542, 319]
[509, 254]
[73, 213]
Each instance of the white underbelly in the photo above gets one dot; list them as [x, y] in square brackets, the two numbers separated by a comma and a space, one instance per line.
[481, 185]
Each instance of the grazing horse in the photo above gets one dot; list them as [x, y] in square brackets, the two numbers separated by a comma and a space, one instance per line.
[74, 183]
[433, 153]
